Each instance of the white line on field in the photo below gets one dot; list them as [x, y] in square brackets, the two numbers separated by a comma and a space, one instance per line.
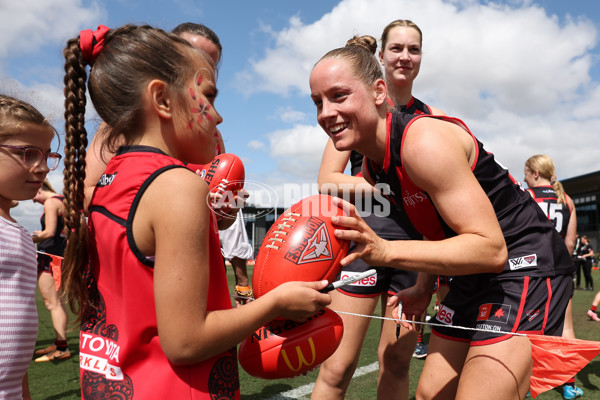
[302, 391]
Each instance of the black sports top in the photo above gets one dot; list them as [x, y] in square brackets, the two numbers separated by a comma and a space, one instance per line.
[534, 246]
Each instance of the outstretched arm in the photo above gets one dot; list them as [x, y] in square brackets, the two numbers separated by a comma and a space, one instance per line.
[171, 224]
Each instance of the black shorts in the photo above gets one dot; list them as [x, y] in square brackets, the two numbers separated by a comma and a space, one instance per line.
[520, 304]
[386, 280]
[43, 263]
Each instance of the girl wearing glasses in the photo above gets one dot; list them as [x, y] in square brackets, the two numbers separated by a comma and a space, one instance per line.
[51, 240]
[25, 159]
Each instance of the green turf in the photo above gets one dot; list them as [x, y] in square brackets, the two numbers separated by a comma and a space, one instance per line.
[60, 380]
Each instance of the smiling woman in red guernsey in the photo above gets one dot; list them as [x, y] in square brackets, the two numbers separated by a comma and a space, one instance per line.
[510, 274]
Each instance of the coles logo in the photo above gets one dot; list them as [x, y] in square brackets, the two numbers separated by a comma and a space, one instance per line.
[445, 315]
[366, 282]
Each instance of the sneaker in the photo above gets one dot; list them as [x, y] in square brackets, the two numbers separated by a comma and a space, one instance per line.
[571, 392]
[47, 350]
[593, 315]
[420, 351]
[56, 355]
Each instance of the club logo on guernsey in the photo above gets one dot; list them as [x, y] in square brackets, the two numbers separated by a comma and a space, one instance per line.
[96, 355]
[313, 244]
[522, 262]
[106, 179]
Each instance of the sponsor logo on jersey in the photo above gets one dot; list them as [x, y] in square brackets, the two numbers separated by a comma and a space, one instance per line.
[522, 262]
[445, 315]
[313, 244]
[101, 355]
[412, 199]
[531, 314]
[366, 282]
[494, 312]
[106, 179]
[488, 327]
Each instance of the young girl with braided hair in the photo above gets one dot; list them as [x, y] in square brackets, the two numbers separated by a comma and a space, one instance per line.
[25, 159]
[146, 276]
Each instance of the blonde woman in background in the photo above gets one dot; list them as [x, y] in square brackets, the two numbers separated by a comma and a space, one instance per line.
[548, 192]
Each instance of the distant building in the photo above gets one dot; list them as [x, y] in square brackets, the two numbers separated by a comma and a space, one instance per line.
[585, 192]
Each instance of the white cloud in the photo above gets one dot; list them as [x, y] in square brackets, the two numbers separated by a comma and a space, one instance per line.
[256, 145]
[290, 115]
[520, 78]
[27, 25]
[298, 151]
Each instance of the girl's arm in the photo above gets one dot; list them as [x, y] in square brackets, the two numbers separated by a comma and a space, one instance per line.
[437, 156]
[172, 223]
[52, 209]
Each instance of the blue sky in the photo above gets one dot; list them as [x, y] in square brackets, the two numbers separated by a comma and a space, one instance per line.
[524, 75]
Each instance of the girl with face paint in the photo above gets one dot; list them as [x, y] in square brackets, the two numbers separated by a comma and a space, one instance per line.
[143, 268]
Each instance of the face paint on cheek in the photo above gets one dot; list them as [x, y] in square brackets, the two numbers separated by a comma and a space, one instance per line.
[192, 94]
[202, 112]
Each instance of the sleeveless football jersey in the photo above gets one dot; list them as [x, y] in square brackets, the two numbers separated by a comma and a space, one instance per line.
[120, 352]
[396, 226]
[558, 213]
[57, 243]
[534, 246]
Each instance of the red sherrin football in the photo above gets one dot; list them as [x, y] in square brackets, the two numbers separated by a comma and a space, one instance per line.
[224, 173]
[300, 246]
[288, 349]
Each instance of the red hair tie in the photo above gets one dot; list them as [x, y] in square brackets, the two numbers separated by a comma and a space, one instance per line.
[91, 43]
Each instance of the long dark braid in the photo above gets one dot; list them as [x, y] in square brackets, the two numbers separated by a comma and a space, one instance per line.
[76, 256]
[130, 57]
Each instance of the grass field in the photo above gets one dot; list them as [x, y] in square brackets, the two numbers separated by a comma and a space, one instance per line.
[60, 380]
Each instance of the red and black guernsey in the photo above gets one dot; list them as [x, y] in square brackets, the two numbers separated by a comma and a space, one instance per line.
[396, 226]
[120, 351]
[558, 213]
[534, 246]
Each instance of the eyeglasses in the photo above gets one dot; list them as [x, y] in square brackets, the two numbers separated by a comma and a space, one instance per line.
[32, 156]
